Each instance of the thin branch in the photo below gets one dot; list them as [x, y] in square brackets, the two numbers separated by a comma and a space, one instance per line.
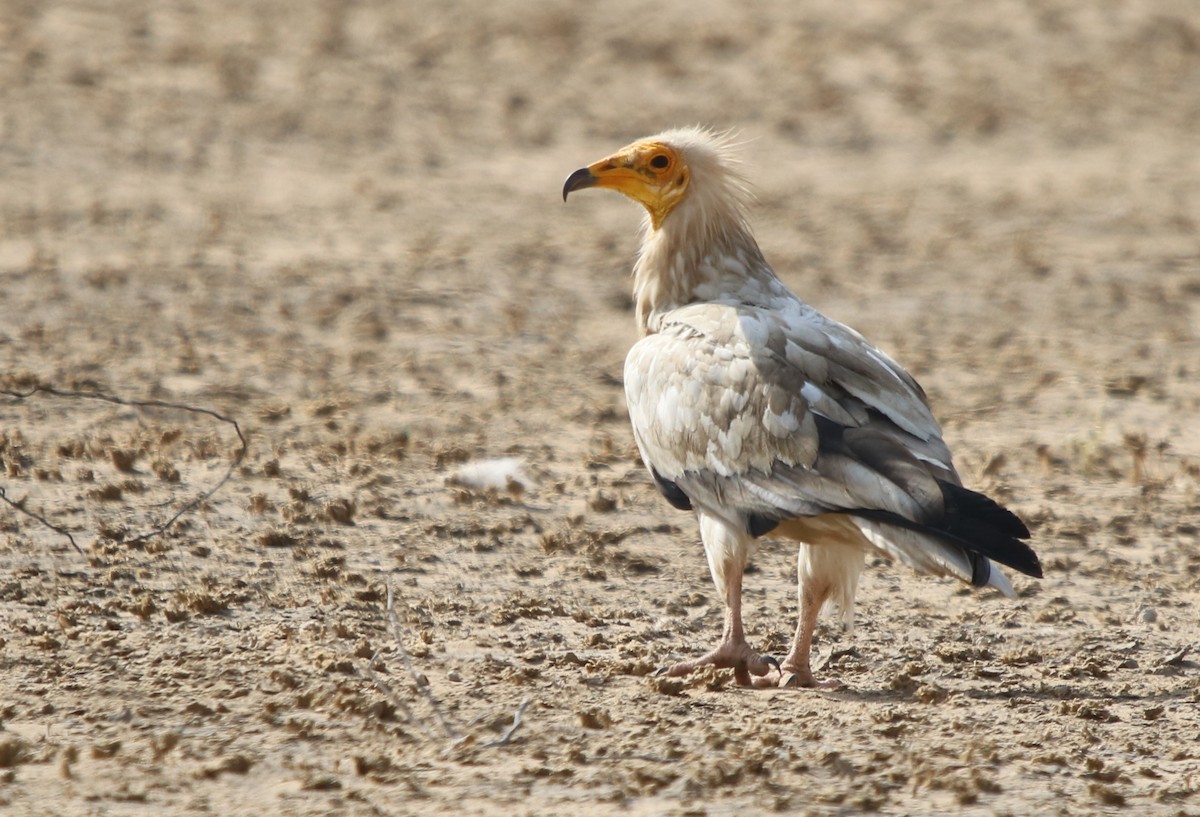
[516, 724]
[20, 506]
[391, 695]
[450, 731]
[238, 457]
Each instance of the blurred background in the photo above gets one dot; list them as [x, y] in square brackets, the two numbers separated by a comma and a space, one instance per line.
[341, 223]
[201, 164]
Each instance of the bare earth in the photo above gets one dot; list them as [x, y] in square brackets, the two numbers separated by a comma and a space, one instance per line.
[340, 225]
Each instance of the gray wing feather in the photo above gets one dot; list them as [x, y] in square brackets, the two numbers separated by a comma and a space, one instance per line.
[759, 415]
[730, 402]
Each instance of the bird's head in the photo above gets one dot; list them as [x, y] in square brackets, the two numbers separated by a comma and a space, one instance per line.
[652, 172]
[696, 200]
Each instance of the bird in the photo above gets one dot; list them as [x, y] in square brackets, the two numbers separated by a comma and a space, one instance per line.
[763, 417]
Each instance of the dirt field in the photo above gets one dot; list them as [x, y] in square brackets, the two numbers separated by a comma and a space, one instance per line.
[340, 224]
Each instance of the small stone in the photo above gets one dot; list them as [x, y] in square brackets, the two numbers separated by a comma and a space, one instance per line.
[595, 718]
[321, 782]
[667, 686]
[104, 751]
[930, 694]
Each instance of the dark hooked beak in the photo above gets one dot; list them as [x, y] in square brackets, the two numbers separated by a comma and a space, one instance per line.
[581, 178]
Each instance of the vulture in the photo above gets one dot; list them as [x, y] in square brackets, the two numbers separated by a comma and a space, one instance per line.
[764, 417]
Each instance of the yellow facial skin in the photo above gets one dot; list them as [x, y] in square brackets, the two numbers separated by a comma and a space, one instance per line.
[651, 173]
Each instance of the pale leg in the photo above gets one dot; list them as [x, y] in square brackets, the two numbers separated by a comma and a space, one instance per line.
[727, 550]
[796, 668]
[733, 651]
[823, 573]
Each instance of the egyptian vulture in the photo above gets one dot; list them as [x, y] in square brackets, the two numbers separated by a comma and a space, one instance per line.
[762, 416]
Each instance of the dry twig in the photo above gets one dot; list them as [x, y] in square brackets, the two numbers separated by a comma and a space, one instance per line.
[391, 695]
[449, 729]
[516, 724]
[121, 401]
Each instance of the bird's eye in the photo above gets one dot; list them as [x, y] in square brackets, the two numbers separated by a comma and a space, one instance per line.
[660, 161]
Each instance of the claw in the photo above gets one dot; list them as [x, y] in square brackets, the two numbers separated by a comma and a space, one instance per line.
[786, 680]
[735, 655]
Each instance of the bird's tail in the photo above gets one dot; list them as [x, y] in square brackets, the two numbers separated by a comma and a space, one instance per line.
[973, 532]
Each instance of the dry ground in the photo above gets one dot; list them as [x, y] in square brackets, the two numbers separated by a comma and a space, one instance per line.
[340, 224]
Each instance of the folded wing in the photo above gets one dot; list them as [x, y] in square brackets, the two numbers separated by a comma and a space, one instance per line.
[767, 415]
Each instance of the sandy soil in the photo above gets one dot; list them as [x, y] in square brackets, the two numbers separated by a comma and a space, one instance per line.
[340, 224]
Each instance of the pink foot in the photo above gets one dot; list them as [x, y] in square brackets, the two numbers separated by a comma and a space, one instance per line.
[791, 680]
[731, 654]
[793, 677]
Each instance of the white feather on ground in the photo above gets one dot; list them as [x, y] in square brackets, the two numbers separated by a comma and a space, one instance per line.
[500, 474]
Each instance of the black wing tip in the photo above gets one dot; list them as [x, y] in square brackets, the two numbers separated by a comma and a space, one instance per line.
[1010, 552]
[1022, 530]
[983, 509]
[982, 527]
[671, 492]
[1019, 556]
[760, 525]
[982, 567]
[1036, 570]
